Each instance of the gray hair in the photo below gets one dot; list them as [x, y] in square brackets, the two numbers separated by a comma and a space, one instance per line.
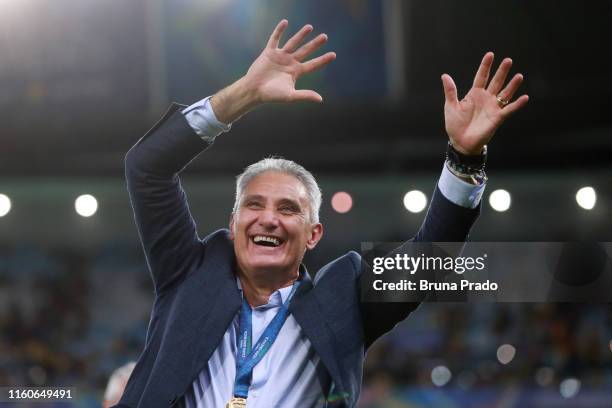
[282, 166]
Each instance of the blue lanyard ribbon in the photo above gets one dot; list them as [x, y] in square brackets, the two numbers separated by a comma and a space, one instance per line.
[247, 356]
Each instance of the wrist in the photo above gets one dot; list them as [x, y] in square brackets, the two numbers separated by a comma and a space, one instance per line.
[468, 151]
[247, 93]
[467, 167]
[475, 178]
[230, 103]
[475, 158]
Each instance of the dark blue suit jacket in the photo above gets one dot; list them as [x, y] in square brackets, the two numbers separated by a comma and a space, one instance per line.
[196, 296]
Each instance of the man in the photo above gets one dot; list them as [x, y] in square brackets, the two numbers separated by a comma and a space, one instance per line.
[237, 321]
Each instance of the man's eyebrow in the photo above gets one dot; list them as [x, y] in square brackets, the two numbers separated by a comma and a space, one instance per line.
[259, 197]
[253, 197]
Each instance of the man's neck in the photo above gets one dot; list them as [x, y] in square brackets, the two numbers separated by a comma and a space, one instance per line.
[258, 289]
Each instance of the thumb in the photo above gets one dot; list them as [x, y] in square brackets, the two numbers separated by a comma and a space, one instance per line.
[450, 89]
[306, 95]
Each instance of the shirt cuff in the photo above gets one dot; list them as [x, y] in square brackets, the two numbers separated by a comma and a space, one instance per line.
[203, 121]
[458, 191]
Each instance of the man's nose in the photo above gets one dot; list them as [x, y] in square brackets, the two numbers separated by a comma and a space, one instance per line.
[268, 219]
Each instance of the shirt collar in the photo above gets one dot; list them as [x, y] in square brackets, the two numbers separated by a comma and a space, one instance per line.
[278, 297]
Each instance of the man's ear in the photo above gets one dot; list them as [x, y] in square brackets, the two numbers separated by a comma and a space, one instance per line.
[316, 234]
[231, 226]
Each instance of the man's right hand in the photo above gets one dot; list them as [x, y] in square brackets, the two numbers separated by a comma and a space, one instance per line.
[272, 76]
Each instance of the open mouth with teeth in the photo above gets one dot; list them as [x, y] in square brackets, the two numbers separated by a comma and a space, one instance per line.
[267, 241]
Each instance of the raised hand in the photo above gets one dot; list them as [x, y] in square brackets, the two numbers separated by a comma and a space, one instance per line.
[275, 72]
[472, 122]
[272, 76]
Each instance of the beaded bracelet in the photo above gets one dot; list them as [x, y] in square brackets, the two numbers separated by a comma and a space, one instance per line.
[470, 167]
[466, 164]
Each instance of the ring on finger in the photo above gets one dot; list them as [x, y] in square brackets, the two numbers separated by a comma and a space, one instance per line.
[502, 102]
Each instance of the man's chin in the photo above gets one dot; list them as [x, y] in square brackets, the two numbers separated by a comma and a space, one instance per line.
[267, 265]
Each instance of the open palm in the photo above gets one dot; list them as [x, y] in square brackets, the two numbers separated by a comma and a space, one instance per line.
[276, 70]
[472, 122]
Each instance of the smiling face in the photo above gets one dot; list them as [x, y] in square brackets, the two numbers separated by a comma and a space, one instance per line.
[271, 228]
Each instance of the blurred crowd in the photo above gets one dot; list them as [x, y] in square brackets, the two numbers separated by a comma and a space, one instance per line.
[71, 318]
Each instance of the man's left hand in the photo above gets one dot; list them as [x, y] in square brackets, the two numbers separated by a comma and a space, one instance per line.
[472, 122]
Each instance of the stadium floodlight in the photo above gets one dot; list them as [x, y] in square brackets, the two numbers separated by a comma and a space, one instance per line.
[342, 202]
[500, 200]
[415, 201]
[440, 376]
[569, 387]
[586, 197]
[86, 205]
[506, 353]
[5, 205]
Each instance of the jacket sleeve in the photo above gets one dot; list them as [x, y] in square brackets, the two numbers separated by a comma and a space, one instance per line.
[166, 228]
[444, 222]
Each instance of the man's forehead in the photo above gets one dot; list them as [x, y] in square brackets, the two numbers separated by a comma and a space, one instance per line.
[276, 185]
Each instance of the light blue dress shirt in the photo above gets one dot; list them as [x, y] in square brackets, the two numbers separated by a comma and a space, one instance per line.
[287, 374]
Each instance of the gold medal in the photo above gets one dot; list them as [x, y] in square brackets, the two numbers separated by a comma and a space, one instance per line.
[236, 402]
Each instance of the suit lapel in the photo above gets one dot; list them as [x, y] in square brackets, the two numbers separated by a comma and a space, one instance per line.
[222, 299]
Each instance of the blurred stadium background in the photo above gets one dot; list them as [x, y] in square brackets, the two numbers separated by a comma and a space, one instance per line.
[82, 80]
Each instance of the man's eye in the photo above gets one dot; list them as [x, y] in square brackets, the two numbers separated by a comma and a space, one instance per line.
[288, 210]
[253, 204]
